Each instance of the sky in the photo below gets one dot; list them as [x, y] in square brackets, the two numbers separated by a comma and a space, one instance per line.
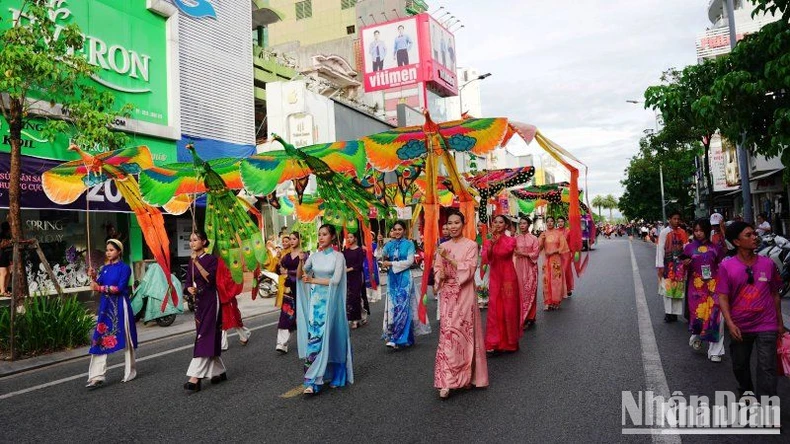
[568, 67]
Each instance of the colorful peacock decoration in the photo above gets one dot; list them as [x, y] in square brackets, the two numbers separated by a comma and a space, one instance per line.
[232, 232]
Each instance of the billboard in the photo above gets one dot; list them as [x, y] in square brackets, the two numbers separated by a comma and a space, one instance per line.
[724, 170]
[443, 58]
[408, 52]
[391, 54]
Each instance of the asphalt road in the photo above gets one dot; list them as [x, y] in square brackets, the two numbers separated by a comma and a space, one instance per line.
[564, 385]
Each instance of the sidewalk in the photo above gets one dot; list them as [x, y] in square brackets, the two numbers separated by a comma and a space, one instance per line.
[184, 324]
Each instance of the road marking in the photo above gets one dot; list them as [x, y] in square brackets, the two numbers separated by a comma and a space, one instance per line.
[85, 375]
[294, 392]
[655, 378]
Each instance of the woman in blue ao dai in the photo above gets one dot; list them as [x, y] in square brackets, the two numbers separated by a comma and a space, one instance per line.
[115, 329]
[400, 314]
[322, 325]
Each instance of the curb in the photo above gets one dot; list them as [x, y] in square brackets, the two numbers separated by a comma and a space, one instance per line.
[82, 352]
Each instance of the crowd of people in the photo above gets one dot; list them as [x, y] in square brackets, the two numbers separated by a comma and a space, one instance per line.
[714, 278]
[326, 294]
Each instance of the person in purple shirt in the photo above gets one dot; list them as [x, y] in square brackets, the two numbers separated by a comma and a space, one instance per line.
[748, 288]
[702, 258]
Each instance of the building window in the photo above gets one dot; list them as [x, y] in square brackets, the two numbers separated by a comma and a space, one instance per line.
[347, 4]
[304, 9]
[351, 29]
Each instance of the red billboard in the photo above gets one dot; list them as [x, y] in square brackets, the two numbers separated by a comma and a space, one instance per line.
[409, 51]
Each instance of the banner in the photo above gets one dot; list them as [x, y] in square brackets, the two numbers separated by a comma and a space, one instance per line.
[103, 197]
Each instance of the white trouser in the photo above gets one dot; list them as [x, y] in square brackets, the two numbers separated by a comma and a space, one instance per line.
[244, 336]
[673, 306]
[205, 367]
[374, 295]
[283, 336]
[714, 348]
[98, 366]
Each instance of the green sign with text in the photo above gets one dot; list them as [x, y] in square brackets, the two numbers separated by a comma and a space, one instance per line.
[126, 41]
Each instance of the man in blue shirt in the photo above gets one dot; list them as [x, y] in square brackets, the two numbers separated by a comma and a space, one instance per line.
[377, 50]
[401, 47]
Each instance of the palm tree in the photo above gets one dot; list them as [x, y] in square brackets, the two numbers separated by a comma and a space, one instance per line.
[598, 202]
[610, 203]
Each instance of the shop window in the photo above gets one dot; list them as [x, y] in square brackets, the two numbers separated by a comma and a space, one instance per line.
[351, 29]
[347, 4]
[304, 9]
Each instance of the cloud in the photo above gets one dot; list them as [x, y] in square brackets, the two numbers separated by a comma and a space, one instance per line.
[568, 67]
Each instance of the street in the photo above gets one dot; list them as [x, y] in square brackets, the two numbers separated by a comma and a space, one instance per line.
[564, 385]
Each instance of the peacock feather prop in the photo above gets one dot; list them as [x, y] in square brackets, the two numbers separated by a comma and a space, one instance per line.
[232, 233]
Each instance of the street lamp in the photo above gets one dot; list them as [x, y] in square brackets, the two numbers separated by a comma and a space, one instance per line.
[461, 96]
[639, 102]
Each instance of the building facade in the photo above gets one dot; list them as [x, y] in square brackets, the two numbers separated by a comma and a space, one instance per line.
[188, 72]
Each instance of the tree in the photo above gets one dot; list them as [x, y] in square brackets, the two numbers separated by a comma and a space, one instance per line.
[598, 202]
[685, 123]
[751, 94]
[610, 203]
[641, 198]
[40, 65]
[744, 94]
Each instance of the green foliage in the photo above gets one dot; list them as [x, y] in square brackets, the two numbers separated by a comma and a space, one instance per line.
[40, 58]
[47, 325]
[92, 116]
[598, 202]
[744, 94]
[642, 196]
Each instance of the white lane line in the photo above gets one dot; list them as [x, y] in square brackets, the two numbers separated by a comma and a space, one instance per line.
[655, 378]
[85, 375]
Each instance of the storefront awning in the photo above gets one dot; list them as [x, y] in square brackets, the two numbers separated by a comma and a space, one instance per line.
[764, 175]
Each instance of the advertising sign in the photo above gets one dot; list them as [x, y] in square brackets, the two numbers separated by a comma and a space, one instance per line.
[130, 44]
[391, 54]
[409, 51]
[443, 57]
[724, 164]
[103, 197]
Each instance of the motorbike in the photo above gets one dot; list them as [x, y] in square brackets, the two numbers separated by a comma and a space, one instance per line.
[147, 298]
[267, 284]
[777, 248]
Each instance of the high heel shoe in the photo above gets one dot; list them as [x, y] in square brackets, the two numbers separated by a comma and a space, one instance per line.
[192, 386]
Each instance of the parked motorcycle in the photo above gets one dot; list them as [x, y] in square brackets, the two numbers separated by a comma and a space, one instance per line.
[147, 298]
[267, 284]
[777, 248]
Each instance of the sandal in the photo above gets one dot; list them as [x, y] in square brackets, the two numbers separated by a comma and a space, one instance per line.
[94, 383]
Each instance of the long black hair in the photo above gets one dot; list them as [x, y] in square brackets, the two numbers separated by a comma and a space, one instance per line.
[704, 224]
[202, 236]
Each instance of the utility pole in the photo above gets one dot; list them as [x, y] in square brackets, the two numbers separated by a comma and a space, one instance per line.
[743, 160]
